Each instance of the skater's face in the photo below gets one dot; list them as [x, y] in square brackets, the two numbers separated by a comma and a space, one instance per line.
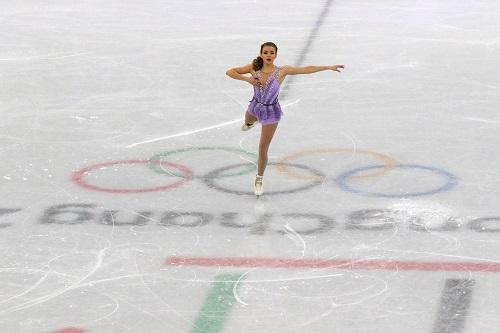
[268, 53]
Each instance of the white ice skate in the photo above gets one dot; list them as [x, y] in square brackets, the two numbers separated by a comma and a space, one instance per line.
[247, 126]
[259, 186]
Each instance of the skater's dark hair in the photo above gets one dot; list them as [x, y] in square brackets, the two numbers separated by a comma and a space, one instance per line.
[258, 62]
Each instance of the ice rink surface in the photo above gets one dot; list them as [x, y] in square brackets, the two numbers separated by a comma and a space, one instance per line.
[126, 182]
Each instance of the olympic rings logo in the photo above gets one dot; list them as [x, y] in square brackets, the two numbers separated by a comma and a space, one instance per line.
[349, 181]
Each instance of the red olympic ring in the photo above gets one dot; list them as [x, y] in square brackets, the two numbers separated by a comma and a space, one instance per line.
[79, 175]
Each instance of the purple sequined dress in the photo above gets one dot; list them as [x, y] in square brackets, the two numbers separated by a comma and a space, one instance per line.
[264, 104]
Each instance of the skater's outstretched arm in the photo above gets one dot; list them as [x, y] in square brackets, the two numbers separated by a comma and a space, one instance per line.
[290, 70]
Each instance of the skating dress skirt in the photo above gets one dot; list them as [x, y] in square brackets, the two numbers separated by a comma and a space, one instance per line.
[264, 104]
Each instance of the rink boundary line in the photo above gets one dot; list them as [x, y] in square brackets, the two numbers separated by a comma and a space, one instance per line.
[362, 264]
[313, 34]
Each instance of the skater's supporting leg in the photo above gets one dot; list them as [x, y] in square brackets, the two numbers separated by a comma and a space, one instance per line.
[266, 136]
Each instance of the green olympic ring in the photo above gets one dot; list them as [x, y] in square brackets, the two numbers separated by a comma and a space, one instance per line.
[158, 168]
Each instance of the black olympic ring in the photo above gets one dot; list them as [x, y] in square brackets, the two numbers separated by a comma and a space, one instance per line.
[210, 178]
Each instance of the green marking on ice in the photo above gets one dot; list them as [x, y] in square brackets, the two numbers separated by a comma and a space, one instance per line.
[219, 301]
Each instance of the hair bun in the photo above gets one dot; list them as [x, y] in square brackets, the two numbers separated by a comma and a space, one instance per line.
[258, 63]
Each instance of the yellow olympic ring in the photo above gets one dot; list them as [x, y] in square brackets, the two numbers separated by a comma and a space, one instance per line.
[389, 162]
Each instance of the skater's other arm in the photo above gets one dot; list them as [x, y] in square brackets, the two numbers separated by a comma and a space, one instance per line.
[237, 74]
[290, 70]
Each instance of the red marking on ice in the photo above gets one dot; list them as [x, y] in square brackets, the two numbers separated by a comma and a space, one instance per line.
[70, 330]
[390, 265]
[78, 177]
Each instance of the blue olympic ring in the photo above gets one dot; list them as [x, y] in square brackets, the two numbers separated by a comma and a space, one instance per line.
[342, 180]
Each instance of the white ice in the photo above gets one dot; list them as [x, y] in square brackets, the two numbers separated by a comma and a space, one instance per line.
[406, 142]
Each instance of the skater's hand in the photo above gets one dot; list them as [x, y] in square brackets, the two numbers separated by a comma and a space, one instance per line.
[337, 68]
[254, 81]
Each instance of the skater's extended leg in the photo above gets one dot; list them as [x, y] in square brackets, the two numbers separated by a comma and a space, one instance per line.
[249, 118]
[250, 121]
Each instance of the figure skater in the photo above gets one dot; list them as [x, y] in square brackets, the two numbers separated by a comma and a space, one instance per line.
[264, 107]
